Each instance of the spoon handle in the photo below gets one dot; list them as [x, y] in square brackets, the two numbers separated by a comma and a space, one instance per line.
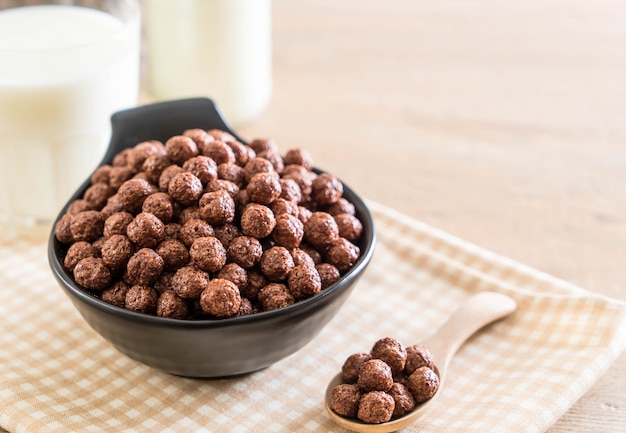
[479, 310]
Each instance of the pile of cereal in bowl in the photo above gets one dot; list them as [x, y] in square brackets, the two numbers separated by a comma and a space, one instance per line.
[206, 227]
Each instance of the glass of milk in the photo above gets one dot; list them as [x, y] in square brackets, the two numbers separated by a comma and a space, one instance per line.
[65, 67]
[219, 49]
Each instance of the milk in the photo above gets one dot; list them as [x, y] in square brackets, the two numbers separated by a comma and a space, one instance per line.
[220, 49]
[63, 71]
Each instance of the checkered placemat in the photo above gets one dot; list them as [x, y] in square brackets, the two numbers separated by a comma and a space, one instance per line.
[519, 375]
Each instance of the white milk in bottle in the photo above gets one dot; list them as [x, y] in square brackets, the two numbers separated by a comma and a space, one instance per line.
[63, 71]
[219, 49]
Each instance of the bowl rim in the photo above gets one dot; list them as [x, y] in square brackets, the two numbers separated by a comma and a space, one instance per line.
[367, 246]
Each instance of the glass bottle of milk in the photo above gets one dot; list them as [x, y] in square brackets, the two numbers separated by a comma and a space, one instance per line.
[219, 49]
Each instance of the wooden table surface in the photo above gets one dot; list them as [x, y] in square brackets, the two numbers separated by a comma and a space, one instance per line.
[503, 123]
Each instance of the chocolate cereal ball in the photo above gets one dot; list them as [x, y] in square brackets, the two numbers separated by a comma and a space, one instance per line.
[281, 206]
[231, 172]
[276, 263]
[199, 136]
[219, 152]
[257, 165]
[117, 224]
[375, 375]
[257, 221]
[227, 233]
[320, 230]
[343, 254]
[256, 281]
[240, 151]
[299, 156]
[141, 175]
[189, 213]
[223, 185]
[167, 174]
[142, 151]
[133, 192]
[274, 158]
[303, 177]
[92, 273]
[328, 273]
[304, 214]
[246, 308]
[351, 367]
[193, 229]
[146, 230]
[304, 282]
[97, 244]
[87, 226]
[77, 206]
[301, 257]
[208, 254]
[144, 267]
[172, 230]
[403, 399]
[236, 274]
[289, 190]
[275, 296]
[171, 305]
[263, 144]
[174, 254]
[423, 384]
[390, 351]
[288, 231]
[140, 298]
[246, 251]
[154, 165]
[418, 356]
[341, 206]
[115, 294]
[164, 282]
[101, 174]
[345, 399]
[263, 188]
[350, 227]
[159, 204]
[376, 407]
[180, 148]
[116, 251]
[217, 207]
[203, 167]
[97, 194]
[241, 201]
[119, 175]
[121, 159]
[114, 205]
[218, 134]
[326, 189]
[76, 252]
[189, 282]
[185, 188]
[220, 298]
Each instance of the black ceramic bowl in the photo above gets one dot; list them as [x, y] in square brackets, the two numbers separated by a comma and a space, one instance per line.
[203, 348]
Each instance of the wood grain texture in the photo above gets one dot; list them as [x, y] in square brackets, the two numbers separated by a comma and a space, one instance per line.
[500, 122]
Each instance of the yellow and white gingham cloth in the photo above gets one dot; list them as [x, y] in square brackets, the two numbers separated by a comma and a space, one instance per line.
[519, 375]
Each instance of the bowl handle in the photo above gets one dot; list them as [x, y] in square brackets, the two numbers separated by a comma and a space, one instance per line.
[162, 120]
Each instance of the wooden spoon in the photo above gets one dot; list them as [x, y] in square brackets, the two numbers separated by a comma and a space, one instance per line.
[478, 311]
